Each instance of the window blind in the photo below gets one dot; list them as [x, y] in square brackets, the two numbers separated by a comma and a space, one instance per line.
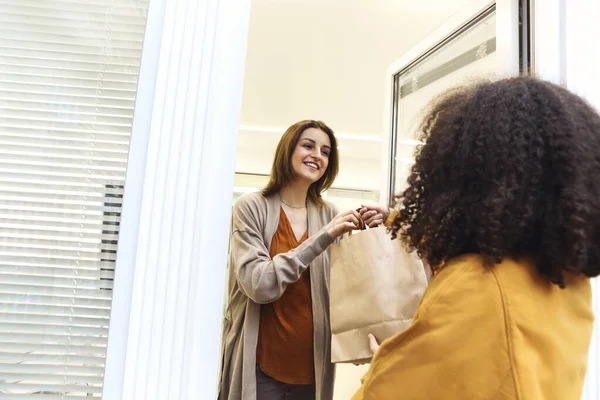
[68, 78]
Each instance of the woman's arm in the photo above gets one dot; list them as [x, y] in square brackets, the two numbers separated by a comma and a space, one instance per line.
[261, 278]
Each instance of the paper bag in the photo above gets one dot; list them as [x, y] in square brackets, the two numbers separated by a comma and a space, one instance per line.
[376, 287]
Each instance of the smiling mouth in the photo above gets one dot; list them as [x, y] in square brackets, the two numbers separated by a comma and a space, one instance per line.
[312, 165]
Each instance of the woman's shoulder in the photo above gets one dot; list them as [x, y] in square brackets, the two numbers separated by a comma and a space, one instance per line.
[250, 206]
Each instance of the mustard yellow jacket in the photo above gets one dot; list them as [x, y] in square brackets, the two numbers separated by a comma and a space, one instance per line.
[488, 333]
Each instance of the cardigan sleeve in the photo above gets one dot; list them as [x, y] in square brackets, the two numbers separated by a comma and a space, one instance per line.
[261, 278]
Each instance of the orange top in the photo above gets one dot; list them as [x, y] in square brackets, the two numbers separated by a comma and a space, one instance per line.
[285, 339]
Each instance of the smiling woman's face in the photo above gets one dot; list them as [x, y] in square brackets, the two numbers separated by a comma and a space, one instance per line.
[311, 155]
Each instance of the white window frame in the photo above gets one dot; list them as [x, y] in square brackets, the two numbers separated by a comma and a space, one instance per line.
[507, 50]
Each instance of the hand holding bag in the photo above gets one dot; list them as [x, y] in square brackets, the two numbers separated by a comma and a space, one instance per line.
[376, 287]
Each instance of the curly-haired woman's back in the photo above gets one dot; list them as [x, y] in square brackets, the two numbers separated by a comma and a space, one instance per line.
[504, 203]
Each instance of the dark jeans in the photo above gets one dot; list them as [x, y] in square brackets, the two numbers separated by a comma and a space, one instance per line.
[268, 388]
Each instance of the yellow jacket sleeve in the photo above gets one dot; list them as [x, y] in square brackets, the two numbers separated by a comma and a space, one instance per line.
[456, 348]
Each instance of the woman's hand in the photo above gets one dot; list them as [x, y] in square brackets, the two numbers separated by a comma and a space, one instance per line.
[373, 344]
[343, 222]
[374, 214]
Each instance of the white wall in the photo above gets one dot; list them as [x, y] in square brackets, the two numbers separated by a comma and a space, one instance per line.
[327, 60]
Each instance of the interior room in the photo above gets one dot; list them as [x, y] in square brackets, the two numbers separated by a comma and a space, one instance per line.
[129, 128]
[328, 61]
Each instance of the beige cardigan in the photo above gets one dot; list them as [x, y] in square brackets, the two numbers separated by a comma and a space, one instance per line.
[255, 279]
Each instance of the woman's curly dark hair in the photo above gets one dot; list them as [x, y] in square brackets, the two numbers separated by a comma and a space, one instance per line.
[508, 169]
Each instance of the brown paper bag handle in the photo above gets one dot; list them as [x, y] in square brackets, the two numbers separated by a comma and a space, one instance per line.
[388, 222]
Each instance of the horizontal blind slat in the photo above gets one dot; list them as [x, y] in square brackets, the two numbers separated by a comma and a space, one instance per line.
[58, 256]
[65, 39]
[110, 188]
[83, 20]
[71, 202]
[57, 388]
[53, 208]
[86, 85]
[126, 8]
[59, 33]
[78, 283]
[68, 322]
[12, 161]
[31, 181]
[102, 176]
[81, 225]
[51, 349]
[33, 67]
[48, 94]
[65, 360]
[64, 91]
[54, 301]
[33, 42]
[53, 339]
[90, 137]
[54, 107]
[20, 396]
[67, 330]
[91, 156]
[57, 123]
[93, 116]
[56, 291]
[87, 55]
[67, 273]
[49, 377]
[65, 239]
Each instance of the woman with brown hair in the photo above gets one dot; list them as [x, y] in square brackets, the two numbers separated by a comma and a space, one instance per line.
[504, 203]
[276, 341]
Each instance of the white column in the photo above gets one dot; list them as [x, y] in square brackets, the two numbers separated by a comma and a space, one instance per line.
[582, 63]
[164, 338]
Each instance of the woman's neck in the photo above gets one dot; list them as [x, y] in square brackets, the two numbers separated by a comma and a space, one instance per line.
[294, 195]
